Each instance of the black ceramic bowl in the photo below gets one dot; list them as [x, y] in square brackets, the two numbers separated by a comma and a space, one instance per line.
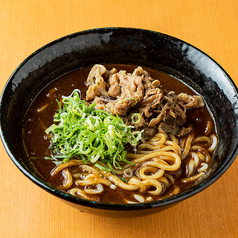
[123, 46]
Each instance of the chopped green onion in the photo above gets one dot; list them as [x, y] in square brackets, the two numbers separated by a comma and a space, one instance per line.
[102, 168]
[127, 99]
[133, 118]
[82, 132]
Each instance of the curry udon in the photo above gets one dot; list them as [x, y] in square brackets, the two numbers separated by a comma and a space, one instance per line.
[120, 134]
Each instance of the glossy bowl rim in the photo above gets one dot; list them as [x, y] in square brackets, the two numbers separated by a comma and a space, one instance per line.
[110, 206]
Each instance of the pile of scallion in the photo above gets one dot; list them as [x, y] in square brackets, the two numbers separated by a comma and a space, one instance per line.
[90, 134]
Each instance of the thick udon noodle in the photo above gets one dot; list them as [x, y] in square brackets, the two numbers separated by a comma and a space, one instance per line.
[156, 166]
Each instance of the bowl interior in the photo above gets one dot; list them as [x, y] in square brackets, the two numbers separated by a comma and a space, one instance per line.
[121, 46]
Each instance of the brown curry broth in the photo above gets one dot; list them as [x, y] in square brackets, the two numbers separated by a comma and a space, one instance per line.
[39, 117]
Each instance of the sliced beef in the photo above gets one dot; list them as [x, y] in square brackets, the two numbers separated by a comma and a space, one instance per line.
[96, 83]
[127, 95]
[189, 101]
